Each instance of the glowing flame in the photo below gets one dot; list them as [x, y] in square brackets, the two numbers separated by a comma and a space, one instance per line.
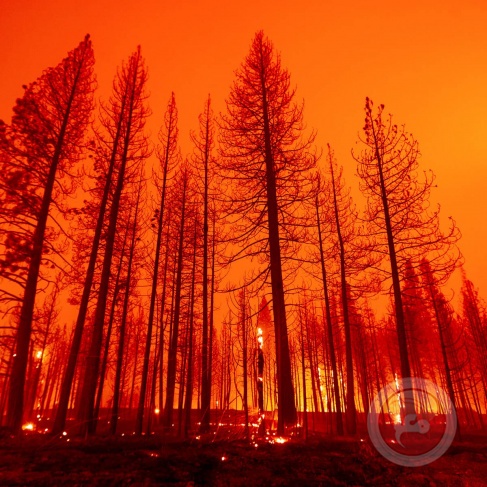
[260, 337]
[280, 440]
[28, 427]
[39, 354]
[396, 380]
[157, 411]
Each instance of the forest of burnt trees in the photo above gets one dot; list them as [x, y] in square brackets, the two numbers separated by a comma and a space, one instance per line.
[141, 285]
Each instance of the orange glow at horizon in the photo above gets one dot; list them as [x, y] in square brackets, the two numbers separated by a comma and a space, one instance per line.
[426, 61]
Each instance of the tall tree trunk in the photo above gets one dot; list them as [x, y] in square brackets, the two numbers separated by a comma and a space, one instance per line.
[286, 405]
[351, 410]
[243, 327]
[67, 384]
[93, 360]
[205, 377]
[212, 314]
[173, 348]
[396, 286]
[303, 370]
[434, 295]
[183, 375]
[163, 319]
[312, 366]
[123, 324]
[160, 222]
[111, 319]
[134, 374]
[188, 401]
[331, 344]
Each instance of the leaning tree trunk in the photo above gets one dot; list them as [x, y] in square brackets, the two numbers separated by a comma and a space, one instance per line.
[15, 407]
[396, 286]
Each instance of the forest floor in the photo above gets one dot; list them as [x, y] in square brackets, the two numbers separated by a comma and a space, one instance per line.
[41, 460]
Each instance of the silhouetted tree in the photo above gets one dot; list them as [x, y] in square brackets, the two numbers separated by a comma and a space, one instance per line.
[112, 119]
[398, 210]
[130, 83]
[45, 139]
[203, 157]
[181, 199]
[326, 296]
[266, 160]
[133, 222]
[352, 253]
[188, 400]
[167, 154]
[443, 316]
[474, 316]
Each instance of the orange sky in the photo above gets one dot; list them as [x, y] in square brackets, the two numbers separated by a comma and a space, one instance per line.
[426, 60]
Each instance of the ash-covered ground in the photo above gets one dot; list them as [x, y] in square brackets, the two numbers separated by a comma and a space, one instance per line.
[42, 460]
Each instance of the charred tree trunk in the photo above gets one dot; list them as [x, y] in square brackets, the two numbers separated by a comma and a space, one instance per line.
[205, 358]
[188, 401]
[93, 360]
[305, 398]
[243, 327]
[331, 344]
[351, 410]
[67, 384]
[396, 286]
[286, 405]
[123, 324]
[173, 347]
[169, 142]
[15, 406]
